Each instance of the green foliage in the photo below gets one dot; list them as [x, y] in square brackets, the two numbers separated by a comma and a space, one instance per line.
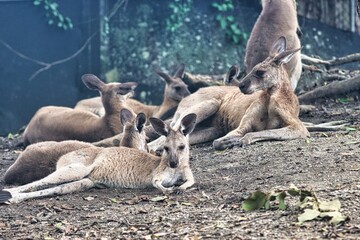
[228, 23]
[180, 10]
[311, 207]
[53, 14]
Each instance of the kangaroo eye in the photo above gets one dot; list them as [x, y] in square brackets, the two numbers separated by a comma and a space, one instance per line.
[166, 148]
[177, 89]
[260, 73]
[181, 147]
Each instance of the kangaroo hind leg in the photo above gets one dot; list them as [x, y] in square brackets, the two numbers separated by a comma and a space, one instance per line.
[69, 173]
[70, 187]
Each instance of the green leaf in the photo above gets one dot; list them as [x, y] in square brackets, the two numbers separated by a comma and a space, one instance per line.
[235, 29]
[255, 201]
[223, 23]
[51, 21]
[281, 198]
[304, 194]
[308, 215]
[10, 136]
[344, 100]
[293, 190]
[36, 2]
[350, 129]
[326, 206]
[113, 200]
[230, 18]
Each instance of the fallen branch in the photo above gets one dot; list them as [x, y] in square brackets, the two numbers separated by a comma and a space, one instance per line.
[332, 89]
[196, 81]
[355, 57]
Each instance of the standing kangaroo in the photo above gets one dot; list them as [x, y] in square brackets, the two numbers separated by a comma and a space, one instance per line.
[277, 18]
[118, 167]
[39, 159]
[268, 110]
[175, 90]
[62, 123]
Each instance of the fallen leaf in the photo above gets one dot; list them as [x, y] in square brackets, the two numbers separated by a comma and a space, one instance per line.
[336, 217]
[326, 206]
[89, 198]
[158, 198]
[308, 214]
[255, 201]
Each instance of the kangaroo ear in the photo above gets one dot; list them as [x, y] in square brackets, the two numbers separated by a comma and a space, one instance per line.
[278, 47]
[188, 123]
[140, 121]
[286, 56]
[180, 72]
[164, 76]
[232, 74]
[92, 82]
[126, 88]
[159, 126]
[125, 116]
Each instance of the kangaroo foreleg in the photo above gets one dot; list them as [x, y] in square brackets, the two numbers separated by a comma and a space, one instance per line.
[203, 110]
[188, 178]
[71, 187]
[205, 135]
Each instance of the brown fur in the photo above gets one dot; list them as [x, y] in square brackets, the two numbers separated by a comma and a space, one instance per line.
[62, 123]
[39, 160]
[120, 167]
[175, 90]
[277, 18]
[269, 103]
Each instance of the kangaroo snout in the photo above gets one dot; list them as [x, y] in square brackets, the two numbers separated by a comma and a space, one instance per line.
[173, 161]
[244, 87]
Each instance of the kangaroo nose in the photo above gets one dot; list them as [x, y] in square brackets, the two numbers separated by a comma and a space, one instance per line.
[173, 164]
[242, 88]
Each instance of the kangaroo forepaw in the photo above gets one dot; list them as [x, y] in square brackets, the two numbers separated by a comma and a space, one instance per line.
[168, 191]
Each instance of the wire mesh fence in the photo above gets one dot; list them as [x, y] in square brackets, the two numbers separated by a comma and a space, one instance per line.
[337, 13]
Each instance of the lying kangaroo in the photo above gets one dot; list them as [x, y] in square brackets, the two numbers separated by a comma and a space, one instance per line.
[277, 18]
[39, 159]
[175, 90]
[118, 167]
[62, 123]
[268, 110]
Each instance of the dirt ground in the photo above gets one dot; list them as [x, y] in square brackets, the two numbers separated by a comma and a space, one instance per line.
[327, 163]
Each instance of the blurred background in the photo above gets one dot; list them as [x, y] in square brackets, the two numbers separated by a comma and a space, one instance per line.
[46, 45]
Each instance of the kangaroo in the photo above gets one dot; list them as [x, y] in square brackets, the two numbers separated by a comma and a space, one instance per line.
[61, 123]
[175, 91]
[133, 135]
[38, 160]
[118, 167]
[277, 18]
[267, 108]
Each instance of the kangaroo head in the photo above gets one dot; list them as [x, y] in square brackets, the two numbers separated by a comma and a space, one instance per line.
[175, 88]
[134, 136]
[270, 72]
[108, 90]
[176, 146]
